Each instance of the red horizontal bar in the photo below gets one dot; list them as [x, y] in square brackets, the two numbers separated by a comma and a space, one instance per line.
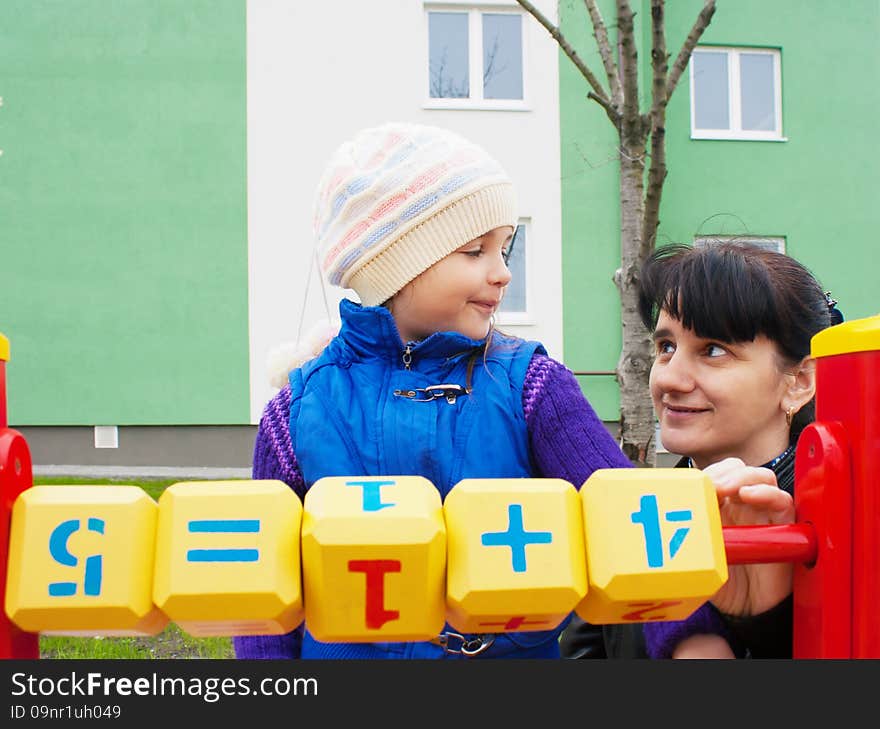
[770, 543]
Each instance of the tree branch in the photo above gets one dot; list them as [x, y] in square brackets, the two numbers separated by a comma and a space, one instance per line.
[684, 55]
[629, 64]
[598, 94]
[600, 33]
[657, 170]
[659, 58]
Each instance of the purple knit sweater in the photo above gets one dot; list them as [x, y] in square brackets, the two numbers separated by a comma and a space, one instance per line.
[566, 438]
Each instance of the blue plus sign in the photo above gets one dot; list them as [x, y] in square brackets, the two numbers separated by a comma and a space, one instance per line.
[516, 537]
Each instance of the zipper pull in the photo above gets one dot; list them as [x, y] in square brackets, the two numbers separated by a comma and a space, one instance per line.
[407, 356]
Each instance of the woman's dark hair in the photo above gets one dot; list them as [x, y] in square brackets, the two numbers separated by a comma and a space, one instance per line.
[733, 292]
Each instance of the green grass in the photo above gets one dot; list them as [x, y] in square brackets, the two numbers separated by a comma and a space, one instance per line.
[154, 487]
[170, 643]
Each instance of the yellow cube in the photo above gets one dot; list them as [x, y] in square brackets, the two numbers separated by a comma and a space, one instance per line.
[516, 554]
[374, 559]
[655, 549]
[81, 561]
[227, 557]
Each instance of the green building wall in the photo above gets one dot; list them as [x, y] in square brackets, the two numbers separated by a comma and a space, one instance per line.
[105, 102]
[818, 190]
[119, 313]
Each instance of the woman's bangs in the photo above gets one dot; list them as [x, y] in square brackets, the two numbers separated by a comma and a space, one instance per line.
[719, 298]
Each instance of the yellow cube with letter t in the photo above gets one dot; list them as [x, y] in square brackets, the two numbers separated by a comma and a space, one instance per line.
[655, 549]
[374, 559]
[81, 561]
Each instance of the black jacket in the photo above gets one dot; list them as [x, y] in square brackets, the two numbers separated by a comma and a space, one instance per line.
[585, 640]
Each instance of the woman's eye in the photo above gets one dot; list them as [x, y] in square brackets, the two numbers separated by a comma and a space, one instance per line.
[665, 347]
[475, 253]
[715, 350]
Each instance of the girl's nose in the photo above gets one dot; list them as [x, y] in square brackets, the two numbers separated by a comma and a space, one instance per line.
[500, 273]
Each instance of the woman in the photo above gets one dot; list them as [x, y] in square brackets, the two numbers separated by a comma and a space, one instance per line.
[732, 385]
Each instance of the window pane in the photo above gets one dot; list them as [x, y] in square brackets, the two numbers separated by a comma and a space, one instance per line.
[502, 56]
[448, 51]
[515, 294]
[710, 91]
[770, 243]
[758, 97]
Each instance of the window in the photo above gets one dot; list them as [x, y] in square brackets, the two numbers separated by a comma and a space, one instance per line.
[771, 243]
[475, 59]
[736, 94]
[514, 305]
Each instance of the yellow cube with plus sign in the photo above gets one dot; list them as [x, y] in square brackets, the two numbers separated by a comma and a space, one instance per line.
[374, 559]
[516, 554]
[81, 561]
[655, 549]
[227, 557]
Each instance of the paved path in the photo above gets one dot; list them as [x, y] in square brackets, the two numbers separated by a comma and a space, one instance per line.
[183, 472]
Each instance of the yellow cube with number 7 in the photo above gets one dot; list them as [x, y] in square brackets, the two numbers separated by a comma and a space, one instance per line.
[655, 549]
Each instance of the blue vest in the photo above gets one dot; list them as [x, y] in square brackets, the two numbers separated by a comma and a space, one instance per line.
[346, 420]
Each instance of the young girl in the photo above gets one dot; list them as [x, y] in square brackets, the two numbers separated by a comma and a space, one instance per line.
[733, 385]
[419, 222]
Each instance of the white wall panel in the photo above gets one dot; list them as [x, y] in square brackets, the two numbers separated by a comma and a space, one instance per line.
[318, 72]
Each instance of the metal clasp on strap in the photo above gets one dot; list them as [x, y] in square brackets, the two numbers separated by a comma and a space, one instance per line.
[459, 644]
[434, 392]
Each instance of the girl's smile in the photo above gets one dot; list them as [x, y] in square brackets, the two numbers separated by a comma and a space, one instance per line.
[487, 306]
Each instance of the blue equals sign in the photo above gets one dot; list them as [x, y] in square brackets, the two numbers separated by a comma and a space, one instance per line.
[223, 526]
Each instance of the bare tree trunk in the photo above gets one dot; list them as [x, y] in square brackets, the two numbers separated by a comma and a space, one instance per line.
[639, 206]
[634, 365]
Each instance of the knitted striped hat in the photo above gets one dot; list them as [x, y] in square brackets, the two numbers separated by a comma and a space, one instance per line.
[399, 197]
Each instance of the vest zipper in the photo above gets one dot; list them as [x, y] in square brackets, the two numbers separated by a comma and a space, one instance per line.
[407, 355]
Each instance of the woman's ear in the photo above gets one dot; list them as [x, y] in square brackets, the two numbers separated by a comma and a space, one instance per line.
[802, 385]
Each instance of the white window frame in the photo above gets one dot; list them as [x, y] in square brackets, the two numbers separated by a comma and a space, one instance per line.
[475, 57]
[772, 242]
[522, 318]
[658, 444]
[734, 95]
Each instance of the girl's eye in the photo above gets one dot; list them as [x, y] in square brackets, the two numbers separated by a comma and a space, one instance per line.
[715, 350]
[476, 253]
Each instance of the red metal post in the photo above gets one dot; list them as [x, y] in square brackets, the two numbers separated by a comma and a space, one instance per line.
[849, 393]
[16, 475]
[836, 600]
[772, 543]
[823, 498]
[3, 422]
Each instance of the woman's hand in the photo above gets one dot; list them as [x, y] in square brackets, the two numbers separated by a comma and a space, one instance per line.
[703, 646]
[749, 495]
